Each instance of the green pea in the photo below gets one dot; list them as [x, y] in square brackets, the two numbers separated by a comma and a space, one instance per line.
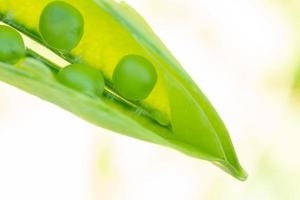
[61, 26]
[134, 77]
[82, 78]
[12, 47]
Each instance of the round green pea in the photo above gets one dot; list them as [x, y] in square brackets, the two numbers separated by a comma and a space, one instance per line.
[82, 78]
[12, 47]
[134, 77]
[61, 26]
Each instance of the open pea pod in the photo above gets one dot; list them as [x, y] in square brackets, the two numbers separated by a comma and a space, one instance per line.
[176, 113]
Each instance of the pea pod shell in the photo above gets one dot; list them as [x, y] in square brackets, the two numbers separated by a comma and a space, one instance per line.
[199, 132]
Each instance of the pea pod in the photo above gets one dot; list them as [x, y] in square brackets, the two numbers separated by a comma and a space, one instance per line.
[175, 113]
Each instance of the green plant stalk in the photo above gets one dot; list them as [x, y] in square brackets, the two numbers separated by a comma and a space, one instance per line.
[195, 128]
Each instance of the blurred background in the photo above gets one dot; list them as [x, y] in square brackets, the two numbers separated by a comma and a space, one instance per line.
[244, 54]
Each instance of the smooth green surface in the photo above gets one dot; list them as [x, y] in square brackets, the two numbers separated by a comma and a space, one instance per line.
[61, 25]
[187, 119]
[199, 133]
[82, 78]
[134, 77]
[12, 47]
